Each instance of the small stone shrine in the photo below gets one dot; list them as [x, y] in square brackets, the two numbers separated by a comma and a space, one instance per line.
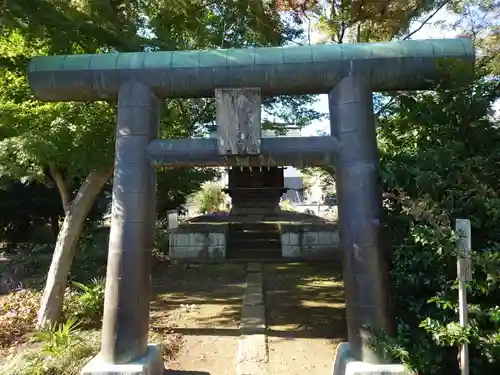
[256, 227]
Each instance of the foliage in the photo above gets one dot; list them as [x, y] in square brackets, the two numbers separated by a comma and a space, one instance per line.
[34, 135]
[18, 310]
[90, 301]
[59, 339]
[210, 198]
[173, 185]
[30, 261]
[41, 208]
[161, 249]
[343, 21]
[439, 150]
[62, 143]
[78, 137]
[323, 176]
[423, 281]
[66, 350]
[285, 205]
[438, 163]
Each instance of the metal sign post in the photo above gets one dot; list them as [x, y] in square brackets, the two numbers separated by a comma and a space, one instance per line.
[464, 274]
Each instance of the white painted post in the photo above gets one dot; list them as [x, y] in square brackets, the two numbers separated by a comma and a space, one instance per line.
[173, 219]
[464, 274]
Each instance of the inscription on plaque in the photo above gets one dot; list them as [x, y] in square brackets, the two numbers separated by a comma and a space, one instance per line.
[238, 121]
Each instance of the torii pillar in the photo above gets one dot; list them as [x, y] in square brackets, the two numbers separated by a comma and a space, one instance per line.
[365, 269]
[124, 338]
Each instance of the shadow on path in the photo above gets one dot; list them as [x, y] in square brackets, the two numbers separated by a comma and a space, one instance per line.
[305, 317]
[198, 296]
[305, 301]
[202, 305]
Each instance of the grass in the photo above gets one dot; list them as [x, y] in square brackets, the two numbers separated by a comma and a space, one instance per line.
[33, 361]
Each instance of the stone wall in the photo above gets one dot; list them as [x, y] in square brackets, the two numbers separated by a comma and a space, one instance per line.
[304, 241]
[198, 242]
[202, 242]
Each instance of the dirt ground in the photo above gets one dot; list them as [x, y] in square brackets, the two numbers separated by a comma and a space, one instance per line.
[304, 308]
[305, 317]
[197, 308]
[202, 303]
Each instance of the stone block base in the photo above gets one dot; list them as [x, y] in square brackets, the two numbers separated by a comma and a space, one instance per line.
[345, 364]
[150, 364]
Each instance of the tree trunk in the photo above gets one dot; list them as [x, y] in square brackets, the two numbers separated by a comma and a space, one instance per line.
[64, 252]
[61, 186]
[54, 225]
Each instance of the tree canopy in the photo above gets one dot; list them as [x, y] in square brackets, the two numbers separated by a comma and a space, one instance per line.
[71, 145]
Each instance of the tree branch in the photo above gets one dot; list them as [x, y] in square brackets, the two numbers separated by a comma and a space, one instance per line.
[61, 186]
[426, 20]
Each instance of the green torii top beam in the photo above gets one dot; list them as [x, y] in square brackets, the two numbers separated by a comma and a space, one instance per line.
[400, 65]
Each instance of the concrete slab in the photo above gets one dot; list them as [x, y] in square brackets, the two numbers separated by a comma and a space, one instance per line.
[253, 319]
[254, 279]
[254, 267]
[150, 364]
[252, 355]
[345, 364]
[253, 296]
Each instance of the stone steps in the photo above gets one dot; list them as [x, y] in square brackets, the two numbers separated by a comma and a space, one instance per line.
[256, 235]
[253, 241]
[255, 254]
[271, 242]
[257, 227]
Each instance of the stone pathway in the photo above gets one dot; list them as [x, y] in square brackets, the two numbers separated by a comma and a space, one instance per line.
[252, 355]
[256, 320]
[304, 312]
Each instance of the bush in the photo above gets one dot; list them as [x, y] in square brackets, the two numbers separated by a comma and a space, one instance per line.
[438, 163]
[88, 304]
[423, 282]
[211, 198]
[28, 263]
[59, 339]
[285, 205]
[18, 310]
[65, 351]
[160, 250]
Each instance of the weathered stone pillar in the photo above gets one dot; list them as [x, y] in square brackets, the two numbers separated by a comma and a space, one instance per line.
[173, 219]
[365, 269]
[128, 289]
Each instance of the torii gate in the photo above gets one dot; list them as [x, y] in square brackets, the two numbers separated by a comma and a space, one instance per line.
[349, 73]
